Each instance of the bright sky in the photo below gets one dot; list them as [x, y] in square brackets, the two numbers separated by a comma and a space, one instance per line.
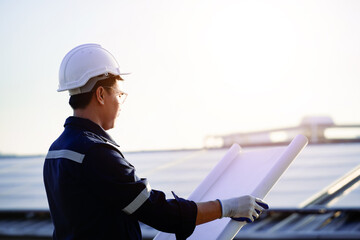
[198, 67]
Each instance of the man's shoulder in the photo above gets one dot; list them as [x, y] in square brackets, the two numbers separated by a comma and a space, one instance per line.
[83, 143]
[78, 139]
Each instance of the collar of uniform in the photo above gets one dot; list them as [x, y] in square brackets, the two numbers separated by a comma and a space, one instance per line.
[89, 125]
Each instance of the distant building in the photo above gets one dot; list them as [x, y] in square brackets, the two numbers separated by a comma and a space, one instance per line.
[320, 129]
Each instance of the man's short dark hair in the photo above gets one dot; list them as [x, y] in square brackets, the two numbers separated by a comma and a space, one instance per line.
[80, 101]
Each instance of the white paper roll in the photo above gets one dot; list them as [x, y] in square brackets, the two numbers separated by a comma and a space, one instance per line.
[240, 173]
[290, 153]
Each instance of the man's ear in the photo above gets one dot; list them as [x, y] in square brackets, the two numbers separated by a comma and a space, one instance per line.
[99, 95]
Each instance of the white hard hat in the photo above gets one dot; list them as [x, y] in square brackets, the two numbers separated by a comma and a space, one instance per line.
[83, 63]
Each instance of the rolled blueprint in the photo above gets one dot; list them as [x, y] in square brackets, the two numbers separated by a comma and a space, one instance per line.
[240, 173]
[269, 180]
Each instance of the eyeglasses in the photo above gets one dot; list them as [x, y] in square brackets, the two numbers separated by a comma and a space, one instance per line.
[122, 95]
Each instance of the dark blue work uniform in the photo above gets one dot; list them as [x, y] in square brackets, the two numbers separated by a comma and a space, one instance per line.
[94, 193]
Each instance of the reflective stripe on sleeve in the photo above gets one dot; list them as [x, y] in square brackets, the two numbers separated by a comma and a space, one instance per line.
[68, 154]
[139, 200]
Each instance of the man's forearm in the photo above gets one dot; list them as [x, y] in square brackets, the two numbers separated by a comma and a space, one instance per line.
[208, 211]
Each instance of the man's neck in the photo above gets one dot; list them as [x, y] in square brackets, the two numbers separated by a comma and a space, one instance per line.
[90, 115]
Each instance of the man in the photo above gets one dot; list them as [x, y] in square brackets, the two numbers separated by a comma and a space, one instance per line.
[93, 191]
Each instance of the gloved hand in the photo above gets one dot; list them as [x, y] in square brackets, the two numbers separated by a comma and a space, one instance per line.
[245, 208]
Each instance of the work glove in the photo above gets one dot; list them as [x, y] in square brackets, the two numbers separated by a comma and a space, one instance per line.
[245, 208]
